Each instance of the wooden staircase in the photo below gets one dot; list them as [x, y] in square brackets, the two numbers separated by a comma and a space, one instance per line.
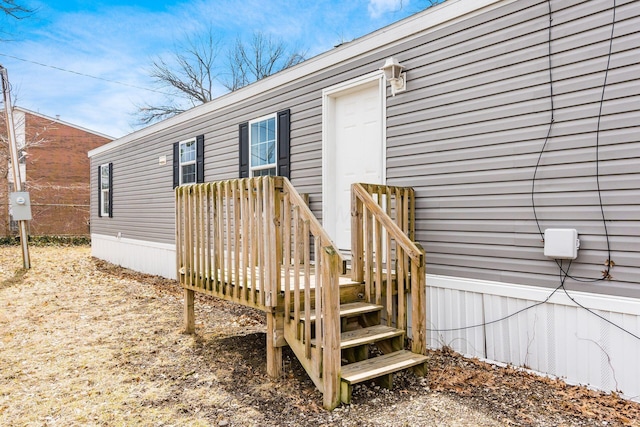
[369, 349]
[255, 242]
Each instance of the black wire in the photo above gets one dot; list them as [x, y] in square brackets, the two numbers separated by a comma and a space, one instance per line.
[597, 315]
[563, 278]
[551, 120]
[502, 318]
[606, 273]
[604, 86]
[83, 74]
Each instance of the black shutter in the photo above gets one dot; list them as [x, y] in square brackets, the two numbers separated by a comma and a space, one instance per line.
[243, 149]
[200, 158]
[176, 164]
[110, 190]
[99, 191]
[283, 143]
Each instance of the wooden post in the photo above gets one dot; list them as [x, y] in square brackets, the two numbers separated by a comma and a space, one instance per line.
[307, 289]
[229, 247]
[321, 285]
[357, 243]
[15, 168]
[274, 352]
[246, 236]
[188, 234]
[286, 229]
[331, 337]
[418, 306]
[199, 235]
[179, 233]
[189, 313]
[276, 239]
[237, 232]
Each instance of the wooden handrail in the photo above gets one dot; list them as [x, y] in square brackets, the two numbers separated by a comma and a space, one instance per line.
[314, 225]
[413, 249]
[385, 257]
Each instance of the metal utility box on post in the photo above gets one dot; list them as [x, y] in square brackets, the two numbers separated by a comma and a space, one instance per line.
[20, 206]
[21, 200]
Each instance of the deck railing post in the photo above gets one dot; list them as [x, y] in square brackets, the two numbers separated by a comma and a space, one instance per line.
[331, 328]
[277, 237]
[179, 233]
[275, 320]
[418, 305]
[357, 242]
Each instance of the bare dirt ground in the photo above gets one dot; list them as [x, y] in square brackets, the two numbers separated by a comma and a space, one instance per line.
[86, 343]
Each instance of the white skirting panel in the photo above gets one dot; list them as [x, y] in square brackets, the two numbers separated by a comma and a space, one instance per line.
[139, 255]
[557, 338]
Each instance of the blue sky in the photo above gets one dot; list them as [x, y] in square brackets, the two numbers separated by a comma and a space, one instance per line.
[117, 40]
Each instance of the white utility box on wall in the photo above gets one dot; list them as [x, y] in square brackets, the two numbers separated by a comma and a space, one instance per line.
[561, 243]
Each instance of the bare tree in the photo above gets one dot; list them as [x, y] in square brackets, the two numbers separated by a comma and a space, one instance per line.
[260, 58]
[188, 79]
[196, 71]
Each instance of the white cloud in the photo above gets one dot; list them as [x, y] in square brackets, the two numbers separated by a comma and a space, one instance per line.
[378, 7]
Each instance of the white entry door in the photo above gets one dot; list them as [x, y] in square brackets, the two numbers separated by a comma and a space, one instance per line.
[353, 150]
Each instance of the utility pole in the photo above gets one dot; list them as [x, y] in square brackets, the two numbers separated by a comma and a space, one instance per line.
[19, 198]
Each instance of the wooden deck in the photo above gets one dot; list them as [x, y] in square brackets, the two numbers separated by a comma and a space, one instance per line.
[255, 242]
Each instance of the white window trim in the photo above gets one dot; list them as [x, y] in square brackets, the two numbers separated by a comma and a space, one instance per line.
[273, 116]
[104, 192]
[190, 162]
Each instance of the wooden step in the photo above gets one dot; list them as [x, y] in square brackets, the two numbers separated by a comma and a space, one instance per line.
[365, 336]
[351, 309]
[368, 335]
[378, 367]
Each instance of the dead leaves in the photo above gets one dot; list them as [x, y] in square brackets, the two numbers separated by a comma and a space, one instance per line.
[522, 395]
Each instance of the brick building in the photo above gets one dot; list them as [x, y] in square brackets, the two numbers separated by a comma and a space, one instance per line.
[55, 171]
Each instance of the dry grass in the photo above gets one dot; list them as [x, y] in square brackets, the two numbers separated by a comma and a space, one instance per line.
[82, 347]
[85, 343]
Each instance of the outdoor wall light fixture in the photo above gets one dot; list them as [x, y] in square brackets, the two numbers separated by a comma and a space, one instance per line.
[394, 75]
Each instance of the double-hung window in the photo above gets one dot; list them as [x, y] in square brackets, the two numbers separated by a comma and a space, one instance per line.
[105, 190]
[262, 147]
[188, 161]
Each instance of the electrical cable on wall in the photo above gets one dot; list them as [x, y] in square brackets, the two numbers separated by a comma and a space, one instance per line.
[564, 273]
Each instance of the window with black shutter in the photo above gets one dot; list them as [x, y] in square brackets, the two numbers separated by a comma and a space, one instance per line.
[188, 161]
[264, 146]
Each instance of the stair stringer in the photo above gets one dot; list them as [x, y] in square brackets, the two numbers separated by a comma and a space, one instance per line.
[313, 365]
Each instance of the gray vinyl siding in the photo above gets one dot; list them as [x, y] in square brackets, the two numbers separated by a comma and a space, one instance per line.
[466, 135]
[469, 137]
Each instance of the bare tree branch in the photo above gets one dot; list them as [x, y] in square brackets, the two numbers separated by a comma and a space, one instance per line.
[260, 58]
[14, 10]
[194, 71]
[190, 77]
[10, 13]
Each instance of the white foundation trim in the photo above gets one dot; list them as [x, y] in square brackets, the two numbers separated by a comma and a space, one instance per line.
[139, 255]
[590, 300]
[478, 319]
